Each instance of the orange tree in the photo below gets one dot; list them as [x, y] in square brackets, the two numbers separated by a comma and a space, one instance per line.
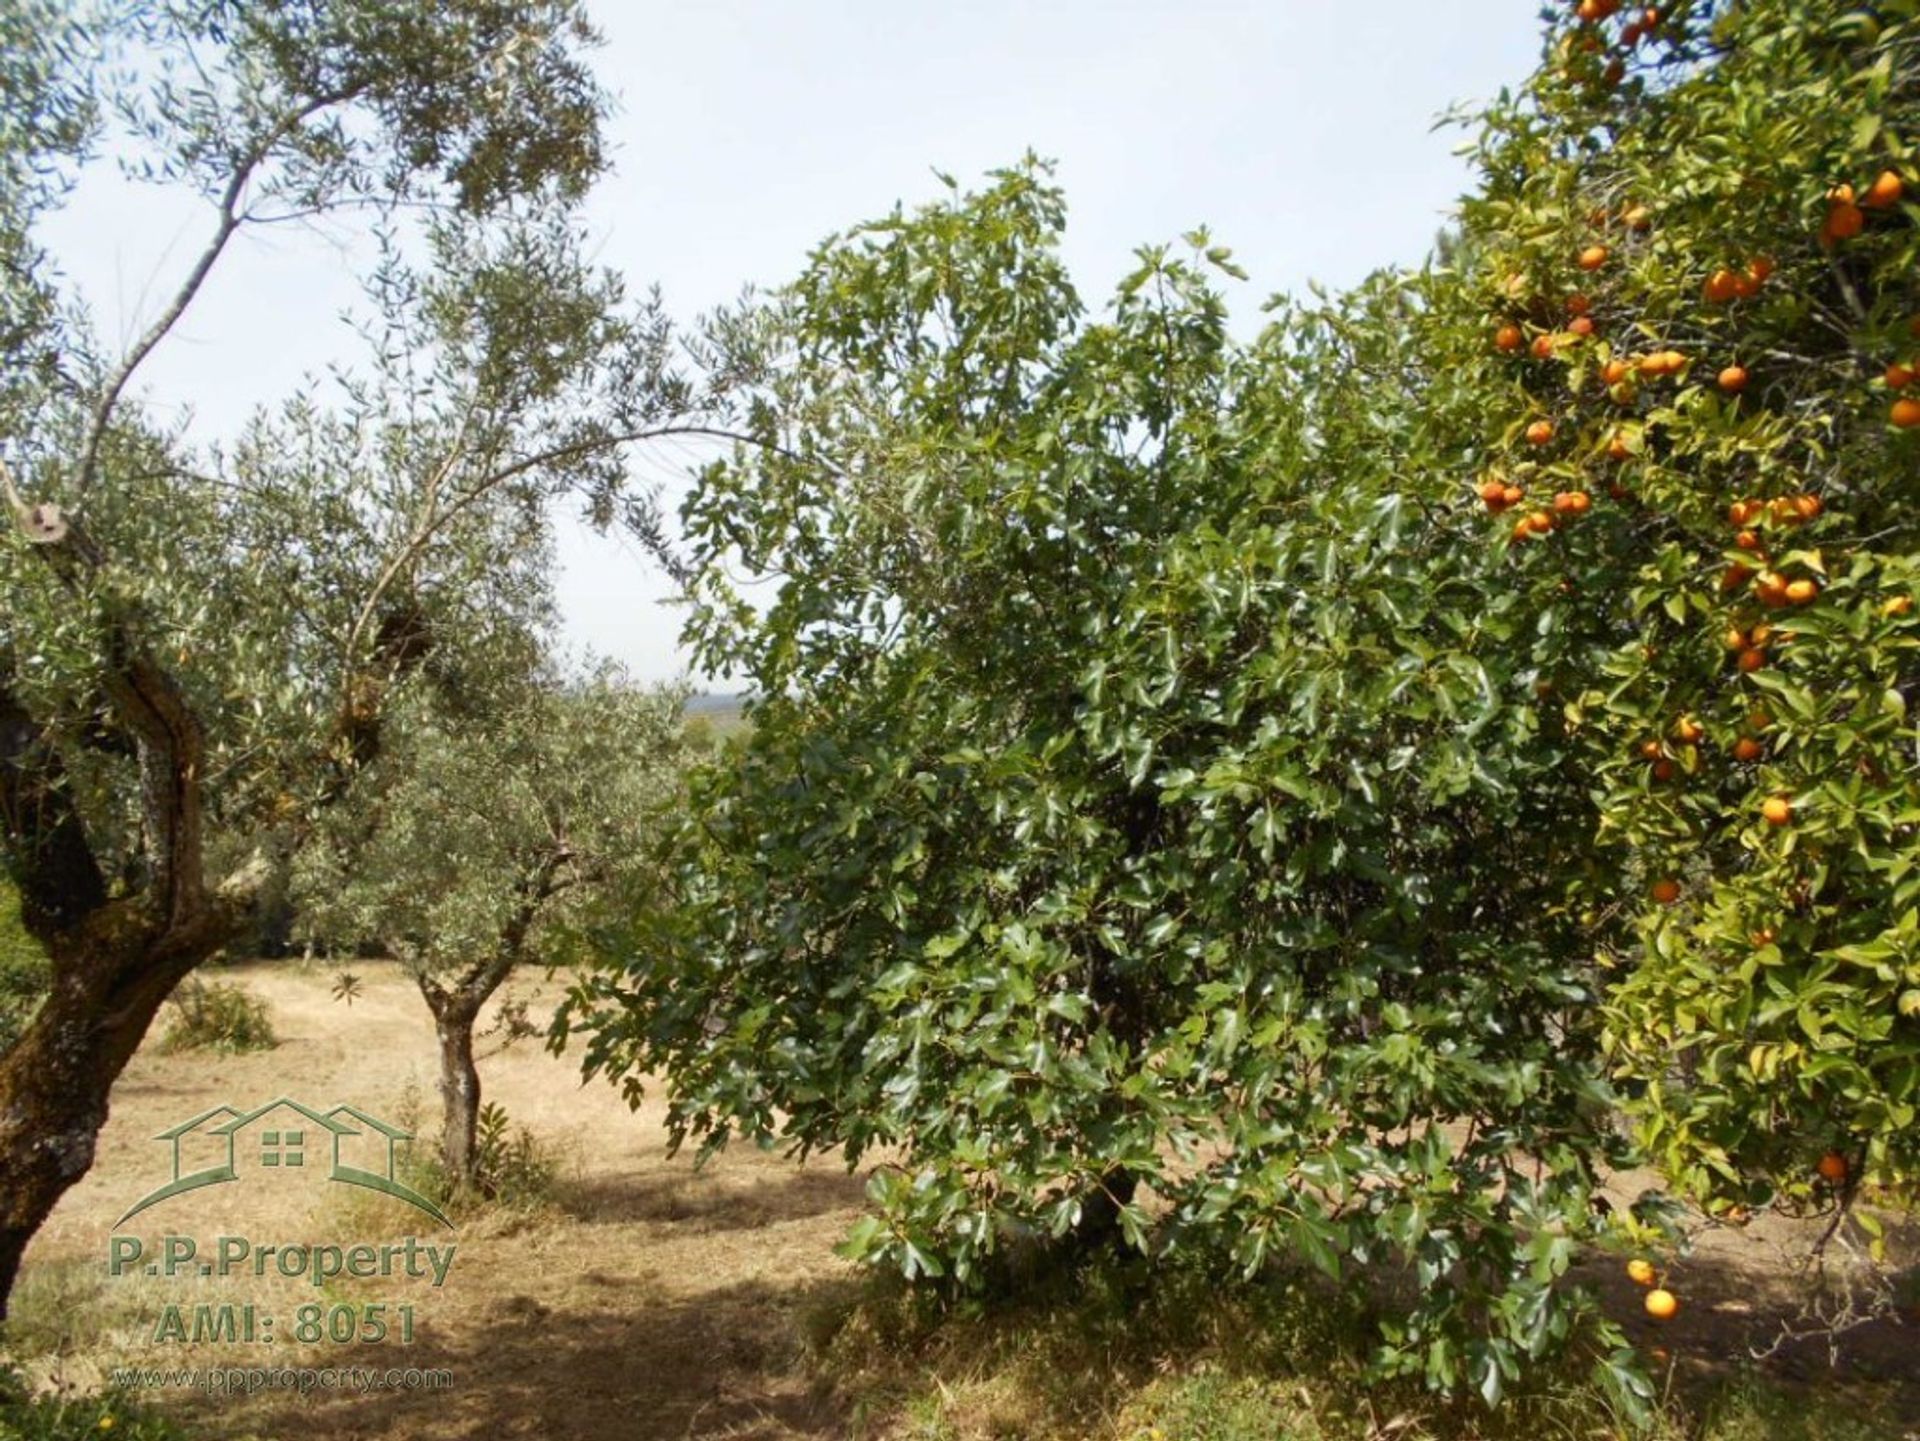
[1675, 341]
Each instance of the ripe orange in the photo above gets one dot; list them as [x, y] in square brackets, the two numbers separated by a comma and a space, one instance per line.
[1763, 937]
[1844, 221]
[1593, 257]
[1494, 493]
[1514, 495]
[1807, 507]
[1771, 587]
[1905, 412]
[1581, 325]
[1521, 530]
[1637, 217]
[1719, 286]
[1661, 1304]
[1752, 659]
[1742, 511]
[1736, 638]
[1664, 770]
[1539, 522]
[1733, 379]
[1618, 449]
[1746, 750]
[1735, 576]
[1758, 719]
[1688, 731]
[1898, 606]
[1886, 190]
[1760, 634]
[1573, 502]
[1615, 371]
[1801, 592]
[1745, 287]
[1578, 304]
[1543, 346]
[1747, 540]
[1778, 810]
[1665, 891]
[1641, 1271]
[1650, 750]
[1761, 270]
[1899, 376]
[1833, 1167]
[1508, 339]
[1540, 432]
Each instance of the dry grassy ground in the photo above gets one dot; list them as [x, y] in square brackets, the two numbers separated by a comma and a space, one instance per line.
[655, 1301]
[651, 1300]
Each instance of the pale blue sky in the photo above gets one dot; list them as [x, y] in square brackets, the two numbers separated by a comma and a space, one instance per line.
[1299, 131]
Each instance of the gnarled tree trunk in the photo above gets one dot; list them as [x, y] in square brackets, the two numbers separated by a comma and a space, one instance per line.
[110, 976]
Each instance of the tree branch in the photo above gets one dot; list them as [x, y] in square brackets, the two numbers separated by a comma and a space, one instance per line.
[231, 219]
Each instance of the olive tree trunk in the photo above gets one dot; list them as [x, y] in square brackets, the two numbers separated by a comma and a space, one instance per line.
[108, 983]
[453, 1019]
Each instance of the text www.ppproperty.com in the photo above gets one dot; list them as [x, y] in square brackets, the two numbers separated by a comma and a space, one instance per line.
[249, 1380]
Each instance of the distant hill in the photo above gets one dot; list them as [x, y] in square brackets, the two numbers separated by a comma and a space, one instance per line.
[718, 703]
[717, 716]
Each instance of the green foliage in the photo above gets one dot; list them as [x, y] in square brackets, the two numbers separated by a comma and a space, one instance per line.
[1112, 843]
[504, 806]
[511, 1166]
[513, 1170]
[218, 1016]
[1179, 1352]
[1771, 1014]
[23, 969]
[1175, 811]
[67, 1416]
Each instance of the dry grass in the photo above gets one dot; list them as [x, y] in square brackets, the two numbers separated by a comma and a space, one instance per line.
[648, 1300]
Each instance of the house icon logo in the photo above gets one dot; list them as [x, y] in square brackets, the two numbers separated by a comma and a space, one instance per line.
[280, 1135]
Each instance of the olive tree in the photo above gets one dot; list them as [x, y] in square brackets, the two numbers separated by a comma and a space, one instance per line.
[500, 814]
[199, 641]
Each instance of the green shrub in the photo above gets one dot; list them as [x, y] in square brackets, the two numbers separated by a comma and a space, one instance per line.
[513, 1169]
[218, 1017]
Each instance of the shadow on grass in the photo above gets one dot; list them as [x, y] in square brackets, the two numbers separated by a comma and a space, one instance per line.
[1115, 1349]
[712, 1201]
[722, 1365]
